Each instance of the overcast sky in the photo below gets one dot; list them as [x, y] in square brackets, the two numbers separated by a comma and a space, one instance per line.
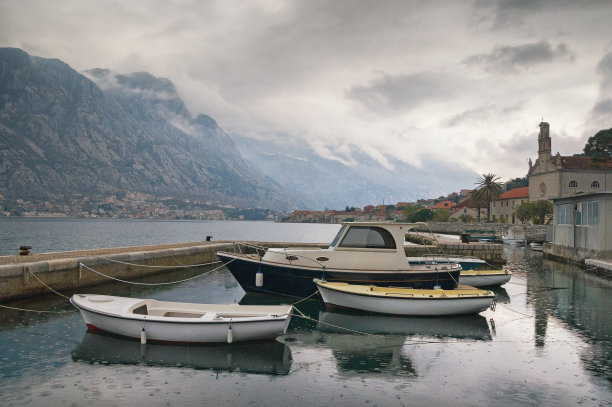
[466, 81]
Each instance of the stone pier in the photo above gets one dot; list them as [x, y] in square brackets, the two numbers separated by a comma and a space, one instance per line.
[19, 275]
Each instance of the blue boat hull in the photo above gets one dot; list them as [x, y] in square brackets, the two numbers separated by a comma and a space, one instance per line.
[298, 282]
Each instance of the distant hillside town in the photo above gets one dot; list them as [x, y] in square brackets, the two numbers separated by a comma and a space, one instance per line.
[549, 178]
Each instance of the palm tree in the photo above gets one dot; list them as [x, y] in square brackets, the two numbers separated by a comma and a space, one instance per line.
[487, 190]
[476, 197]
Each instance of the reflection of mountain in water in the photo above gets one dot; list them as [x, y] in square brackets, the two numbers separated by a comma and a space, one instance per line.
[460, 326]
[273, 358]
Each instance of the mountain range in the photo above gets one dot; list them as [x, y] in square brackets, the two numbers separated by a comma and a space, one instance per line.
[99, 133]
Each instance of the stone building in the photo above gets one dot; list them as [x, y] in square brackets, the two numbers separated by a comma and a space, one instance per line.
[503, 210]
[559, 176]
[467, 206]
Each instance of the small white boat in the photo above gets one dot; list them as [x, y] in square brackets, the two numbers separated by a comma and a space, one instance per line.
[405, 301]
[484, 278]
[182, 322]
[466, 262]
[515, 235]
[537, 247]
[513, 242]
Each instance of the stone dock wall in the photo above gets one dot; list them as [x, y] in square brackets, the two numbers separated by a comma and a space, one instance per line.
[491, 253]
[533, 233]
[23, 276]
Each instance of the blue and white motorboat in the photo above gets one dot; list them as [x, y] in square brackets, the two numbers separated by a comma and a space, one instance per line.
[361, 253]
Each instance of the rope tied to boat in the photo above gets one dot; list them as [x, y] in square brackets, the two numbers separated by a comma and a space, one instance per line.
[150, 266]
[43, 283]
[39, 311]
[154, 284]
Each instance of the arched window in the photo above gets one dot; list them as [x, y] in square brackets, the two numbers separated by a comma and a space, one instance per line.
[573, 184]
[595, 184]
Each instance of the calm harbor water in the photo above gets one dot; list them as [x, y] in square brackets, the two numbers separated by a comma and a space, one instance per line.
[52, 235]
[549, 342]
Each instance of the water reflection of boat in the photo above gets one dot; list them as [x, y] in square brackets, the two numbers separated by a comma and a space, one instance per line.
[371, 354]
[461, 327]
[272, 358]
[501, 295]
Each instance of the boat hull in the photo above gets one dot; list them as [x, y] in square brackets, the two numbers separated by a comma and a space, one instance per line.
[298, 281]
[435, 306]
[186, 331]
[484, 278]
[466, 263]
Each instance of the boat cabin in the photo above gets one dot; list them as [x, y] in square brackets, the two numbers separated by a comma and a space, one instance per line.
[357, 245]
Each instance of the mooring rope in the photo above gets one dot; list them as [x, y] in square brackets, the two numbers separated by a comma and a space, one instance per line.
[146, 265]
[42, 312]
[304, 299]
[36, 277]
[304, 316]
[155, 284]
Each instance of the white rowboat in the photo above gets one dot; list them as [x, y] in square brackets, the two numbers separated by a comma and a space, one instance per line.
[182, 322]
[405, 301]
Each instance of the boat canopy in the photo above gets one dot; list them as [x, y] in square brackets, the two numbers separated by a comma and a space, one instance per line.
[371, 235]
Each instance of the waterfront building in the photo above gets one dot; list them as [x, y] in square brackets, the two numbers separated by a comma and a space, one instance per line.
[581, 227]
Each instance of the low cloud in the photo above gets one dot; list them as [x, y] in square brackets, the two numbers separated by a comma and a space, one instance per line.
[509, 13]
[398, 94]
[515, 59]
[604, 68]
[470, 117]
[602, 110]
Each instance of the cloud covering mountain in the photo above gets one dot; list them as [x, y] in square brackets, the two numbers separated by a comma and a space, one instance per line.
[60, 134]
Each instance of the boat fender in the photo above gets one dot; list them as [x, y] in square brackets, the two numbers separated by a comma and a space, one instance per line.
[230, 335]
[259, 279]
[143, 336]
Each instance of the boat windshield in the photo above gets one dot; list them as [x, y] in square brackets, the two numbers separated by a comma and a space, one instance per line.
[338, 235]
[370, 237]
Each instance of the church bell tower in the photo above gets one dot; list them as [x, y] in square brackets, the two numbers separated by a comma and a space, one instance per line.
[544, 139]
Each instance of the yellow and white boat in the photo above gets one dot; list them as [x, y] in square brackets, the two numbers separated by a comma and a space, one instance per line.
[405, 301]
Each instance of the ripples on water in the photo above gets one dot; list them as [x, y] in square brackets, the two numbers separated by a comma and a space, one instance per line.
[547, 343]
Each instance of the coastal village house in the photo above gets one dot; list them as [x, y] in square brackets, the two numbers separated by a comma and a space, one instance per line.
[467, 206]
[503, 210]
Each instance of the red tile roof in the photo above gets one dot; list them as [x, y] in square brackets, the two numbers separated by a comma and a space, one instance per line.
[516, 193]
[584, 163]
[444, 205]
